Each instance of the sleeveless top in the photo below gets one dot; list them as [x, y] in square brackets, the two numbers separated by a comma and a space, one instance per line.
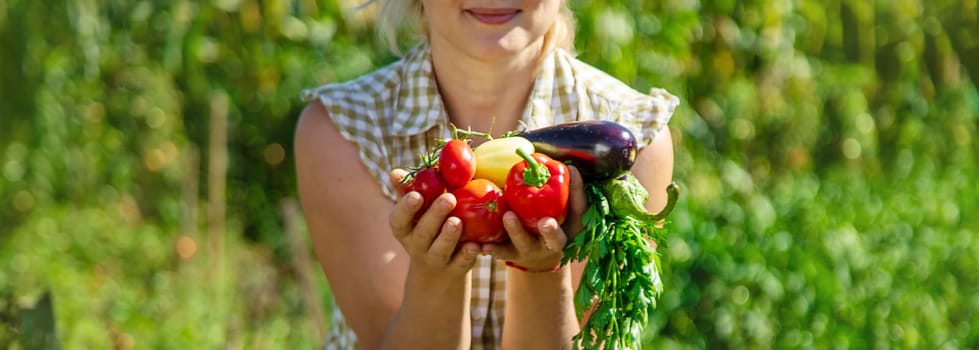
[395, 113]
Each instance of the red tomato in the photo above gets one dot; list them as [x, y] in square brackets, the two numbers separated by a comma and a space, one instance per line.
[428, 183]
[480, 206]
[457, 163]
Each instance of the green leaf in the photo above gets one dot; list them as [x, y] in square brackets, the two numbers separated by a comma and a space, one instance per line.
[599, 249]
[602, 316]
[583, 299]
[592, 277]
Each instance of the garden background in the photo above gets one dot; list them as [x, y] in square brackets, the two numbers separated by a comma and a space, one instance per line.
[826, 150]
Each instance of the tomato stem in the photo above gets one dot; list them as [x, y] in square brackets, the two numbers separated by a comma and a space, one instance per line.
[536, 174]
[427, 161]
[470, 133]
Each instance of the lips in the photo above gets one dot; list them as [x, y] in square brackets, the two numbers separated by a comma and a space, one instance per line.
[493, 16]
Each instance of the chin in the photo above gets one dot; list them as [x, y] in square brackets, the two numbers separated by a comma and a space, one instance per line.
[499, 48]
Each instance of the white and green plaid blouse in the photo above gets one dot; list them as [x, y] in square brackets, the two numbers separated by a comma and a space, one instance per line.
[395, 113]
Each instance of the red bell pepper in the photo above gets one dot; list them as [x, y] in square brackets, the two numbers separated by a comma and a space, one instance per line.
[537, 188]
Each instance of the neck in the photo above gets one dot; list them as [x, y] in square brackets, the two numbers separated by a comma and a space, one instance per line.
[485, 96]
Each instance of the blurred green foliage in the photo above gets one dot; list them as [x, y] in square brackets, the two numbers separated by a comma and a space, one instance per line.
[826, 148]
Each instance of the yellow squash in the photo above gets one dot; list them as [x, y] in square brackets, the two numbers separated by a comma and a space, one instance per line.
[495, 157]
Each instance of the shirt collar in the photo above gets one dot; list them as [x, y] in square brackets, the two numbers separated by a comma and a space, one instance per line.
[418, 106]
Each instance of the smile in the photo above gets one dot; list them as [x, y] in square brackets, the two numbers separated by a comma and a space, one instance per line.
[493, 16]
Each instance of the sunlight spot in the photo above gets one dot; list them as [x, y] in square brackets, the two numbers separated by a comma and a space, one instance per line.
[950, 212]
[615, 26]
[13, 170]
[128, 209]
[388, 256]
[186, 248]
[155, 118]
[154, 160]
[798, 158]
[851, 148]
[294, 29]
[208, 50]
[962, 136]
[228, 5]
[23, 201]
[742, 129]
[679, 251]
[274, 154]
[865, 123]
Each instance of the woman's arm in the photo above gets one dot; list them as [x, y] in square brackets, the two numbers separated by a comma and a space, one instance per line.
[540, 311]
[379, 286]
[654, 169]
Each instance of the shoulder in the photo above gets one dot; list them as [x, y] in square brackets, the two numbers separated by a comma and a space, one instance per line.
[362, 91]
[341, 117]
[326, 136]
[320, 142]
[352, 109]
[603, 86]
[316, 131]
[645, 113]
[597, 83]
[342, 123]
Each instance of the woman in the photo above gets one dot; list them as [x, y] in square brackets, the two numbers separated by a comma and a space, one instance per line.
[485, 66]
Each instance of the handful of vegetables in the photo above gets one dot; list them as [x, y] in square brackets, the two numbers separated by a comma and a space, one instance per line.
[509, 176]
[621, 281]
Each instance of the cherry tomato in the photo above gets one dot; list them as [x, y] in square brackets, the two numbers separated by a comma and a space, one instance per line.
[480, 207]
[457, 163]
[428, 183]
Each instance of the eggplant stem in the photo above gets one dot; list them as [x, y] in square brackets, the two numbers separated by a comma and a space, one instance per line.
[672, 195]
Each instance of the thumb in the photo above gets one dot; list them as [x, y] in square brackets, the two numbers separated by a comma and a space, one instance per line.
[396, 176]
[577, 203]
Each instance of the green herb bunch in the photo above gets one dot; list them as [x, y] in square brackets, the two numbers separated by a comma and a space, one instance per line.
[621, 281]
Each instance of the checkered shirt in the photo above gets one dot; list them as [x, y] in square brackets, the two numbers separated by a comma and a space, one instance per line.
[395, 113]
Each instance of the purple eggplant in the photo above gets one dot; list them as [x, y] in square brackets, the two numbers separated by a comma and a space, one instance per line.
[601, 150]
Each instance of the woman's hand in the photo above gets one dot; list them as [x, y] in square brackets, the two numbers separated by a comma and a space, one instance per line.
[544, 252]
[433, 242]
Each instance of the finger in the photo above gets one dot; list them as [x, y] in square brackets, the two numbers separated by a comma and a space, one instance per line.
[521, 239]
[466, 257]
[504, 251]
[403, 214]
[577, 202]
[396, 176]
[445, 243]
[553, 235]
[432, 221]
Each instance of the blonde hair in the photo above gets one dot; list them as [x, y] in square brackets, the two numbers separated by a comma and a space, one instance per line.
[396, 15]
